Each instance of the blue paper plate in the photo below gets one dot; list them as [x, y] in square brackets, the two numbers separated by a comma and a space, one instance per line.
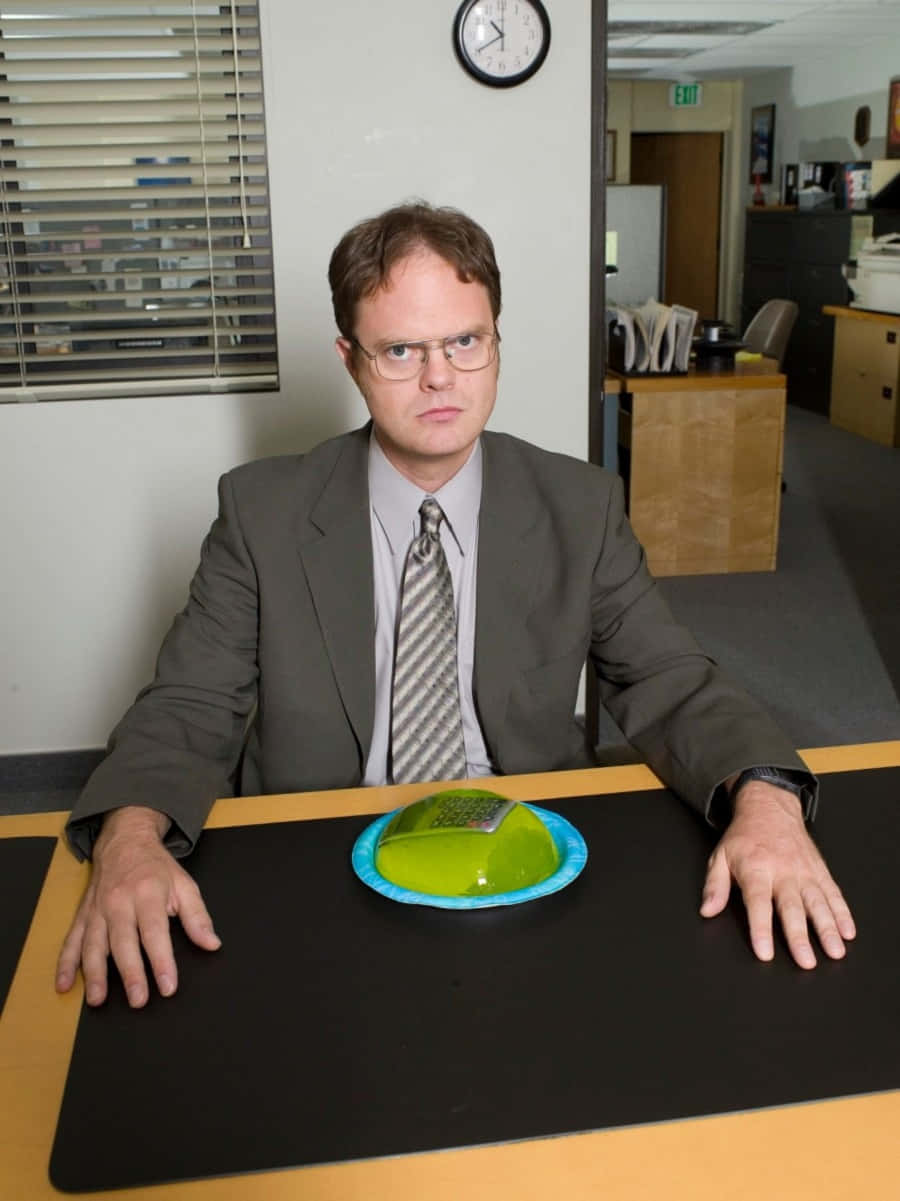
[572, 853]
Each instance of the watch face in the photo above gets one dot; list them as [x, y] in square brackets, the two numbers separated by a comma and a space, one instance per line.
[501, 42]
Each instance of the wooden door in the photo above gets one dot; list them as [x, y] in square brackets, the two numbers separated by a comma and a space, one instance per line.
[690, 166]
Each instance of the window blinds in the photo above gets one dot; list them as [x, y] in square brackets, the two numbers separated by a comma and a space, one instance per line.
[135, 249]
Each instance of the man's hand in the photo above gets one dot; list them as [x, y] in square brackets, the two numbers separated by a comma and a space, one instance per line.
[767, 852]
[135, 887]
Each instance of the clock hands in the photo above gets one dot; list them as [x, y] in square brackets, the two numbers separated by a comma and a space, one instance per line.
[498, 38]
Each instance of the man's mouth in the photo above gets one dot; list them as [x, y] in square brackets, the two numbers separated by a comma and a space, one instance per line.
[444, 413]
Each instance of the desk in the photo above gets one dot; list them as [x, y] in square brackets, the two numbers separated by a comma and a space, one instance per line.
[704, 456]
[830, 1151]
[865, 374]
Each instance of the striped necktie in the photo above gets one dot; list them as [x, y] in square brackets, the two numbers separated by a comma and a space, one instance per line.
[426, 727]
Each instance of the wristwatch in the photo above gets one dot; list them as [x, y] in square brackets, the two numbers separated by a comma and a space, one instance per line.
[780, 777]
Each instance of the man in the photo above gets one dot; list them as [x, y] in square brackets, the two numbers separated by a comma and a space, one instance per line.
[279, 673]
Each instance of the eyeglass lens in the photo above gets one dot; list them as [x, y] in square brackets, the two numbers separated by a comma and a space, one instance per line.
[465, 352]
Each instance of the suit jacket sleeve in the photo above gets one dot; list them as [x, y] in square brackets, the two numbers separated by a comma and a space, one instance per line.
[693, 725]
[176, 750]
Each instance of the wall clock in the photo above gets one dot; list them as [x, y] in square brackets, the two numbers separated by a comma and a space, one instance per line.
[501, 42]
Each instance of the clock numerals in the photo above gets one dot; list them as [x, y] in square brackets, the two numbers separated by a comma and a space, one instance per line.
[501, 42]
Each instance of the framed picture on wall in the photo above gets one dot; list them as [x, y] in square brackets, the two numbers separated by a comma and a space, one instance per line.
[610, 156]
[762, 142]
[893, 129]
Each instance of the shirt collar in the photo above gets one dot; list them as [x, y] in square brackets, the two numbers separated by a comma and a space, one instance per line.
[395, 500]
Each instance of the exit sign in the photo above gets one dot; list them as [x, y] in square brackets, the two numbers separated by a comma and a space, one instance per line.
[685, 95]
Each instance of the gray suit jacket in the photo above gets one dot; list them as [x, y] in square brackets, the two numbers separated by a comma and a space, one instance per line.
[266, 681]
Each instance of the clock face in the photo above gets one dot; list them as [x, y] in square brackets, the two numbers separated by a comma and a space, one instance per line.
[501, 42]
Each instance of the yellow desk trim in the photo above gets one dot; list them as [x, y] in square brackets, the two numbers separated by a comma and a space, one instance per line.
[830, 1151]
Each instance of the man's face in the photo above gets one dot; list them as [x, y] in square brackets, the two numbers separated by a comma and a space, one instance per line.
[427, 425]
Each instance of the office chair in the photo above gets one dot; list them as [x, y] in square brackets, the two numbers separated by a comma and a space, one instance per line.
[770, 329]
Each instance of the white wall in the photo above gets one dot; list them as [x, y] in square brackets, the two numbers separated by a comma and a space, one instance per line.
[104, 503]
[815, 106]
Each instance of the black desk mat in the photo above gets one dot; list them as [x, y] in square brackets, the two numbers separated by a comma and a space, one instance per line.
[335, 1024]
[23, 867]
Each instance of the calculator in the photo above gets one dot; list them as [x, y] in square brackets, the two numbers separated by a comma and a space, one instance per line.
[458, 809]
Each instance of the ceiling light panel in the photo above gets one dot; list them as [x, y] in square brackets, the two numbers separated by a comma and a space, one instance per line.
[716, 10]
[692, 29]
[684, 43]
[658, 52]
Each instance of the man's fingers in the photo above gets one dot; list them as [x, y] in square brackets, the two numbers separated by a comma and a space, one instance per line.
[94, 954]
[840, 909]
[194, 915]
[717, 886]
[70, 954]
[824, 920]
[153, 926]
[792, 910]
[756, 889]
[125, 948]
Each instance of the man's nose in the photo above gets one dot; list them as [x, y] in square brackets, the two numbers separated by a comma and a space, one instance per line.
[436, 374]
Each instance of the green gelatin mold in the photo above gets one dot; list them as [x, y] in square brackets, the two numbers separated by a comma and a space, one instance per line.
[466, 842]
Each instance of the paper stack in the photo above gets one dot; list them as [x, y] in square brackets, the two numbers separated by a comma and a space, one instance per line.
[651, 337]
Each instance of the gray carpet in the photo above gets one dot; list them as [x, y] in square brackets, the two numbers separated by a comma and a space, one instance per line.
[817, 641]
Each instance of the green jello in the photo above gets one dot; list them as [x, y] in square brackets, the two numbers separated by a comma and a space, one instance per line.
[466, 842]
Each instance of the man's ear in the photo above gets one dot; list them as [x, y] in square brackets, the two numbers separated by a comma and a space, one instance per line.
[344, 347]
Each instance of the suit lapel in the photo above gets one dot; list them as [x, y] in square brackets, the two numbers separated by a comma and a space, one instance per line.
[510, 545]
[336, 551]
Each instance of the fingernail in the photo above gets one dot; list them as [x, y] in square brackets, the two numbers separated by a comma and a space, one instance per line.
[166, 985]
[765, 948]
[94, 996]
[805, 957]
[136, 997]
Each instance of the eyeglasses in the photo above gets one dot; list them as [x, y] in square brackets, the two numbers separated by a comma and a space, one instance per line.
[404, 360]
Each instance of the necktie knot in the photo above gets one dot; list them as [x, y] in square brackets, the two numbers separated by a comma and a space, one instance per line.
[428, 541]
[432, 515]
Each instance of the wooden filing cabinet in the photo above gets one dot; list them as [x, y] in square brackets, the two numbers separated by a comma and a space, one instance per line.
[865, 375]
[702, 455]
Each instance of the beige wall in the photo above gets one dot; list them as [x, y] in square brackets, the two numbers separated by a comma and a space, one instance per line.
[635, 106]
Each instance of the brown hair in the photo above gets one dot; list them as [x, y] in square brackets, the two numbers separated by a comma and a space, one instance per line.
[366, 254]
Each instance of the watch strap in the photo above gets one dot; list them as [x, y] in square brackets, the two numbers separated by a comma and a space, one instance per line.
[791, 781]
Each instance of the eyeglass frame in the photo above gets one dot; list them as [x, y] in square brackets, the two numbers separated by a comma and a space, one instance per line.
[427, 344]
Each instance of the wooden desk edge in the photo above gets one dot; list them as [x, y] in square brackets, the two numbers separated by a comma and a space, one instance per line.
[349, 802]
[813, 1152]
[873, 315]
[744, 377]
